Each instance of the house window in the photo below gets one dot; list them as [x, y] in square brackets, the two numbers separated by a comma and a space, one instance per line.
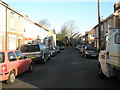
[92, 35]
[20, 24]
[12, 24]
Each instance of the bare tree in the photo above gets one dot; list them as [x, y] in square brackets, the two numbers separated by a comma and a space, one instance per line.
[68, 32]
[70, 27]
[44, 22]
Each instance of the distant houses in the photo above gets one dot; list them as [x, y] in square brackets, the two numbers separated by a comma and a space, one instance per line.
[112, 21]
[17, 29]
[92, 37]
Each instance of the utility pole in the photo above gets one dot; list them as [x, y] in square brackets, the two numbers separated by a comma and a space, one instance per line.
[99, 25]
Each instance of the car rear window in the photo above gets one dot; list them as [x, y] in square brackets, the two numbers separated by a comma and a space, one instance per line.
[117, 38]
[34, 48]
[29, 48]
[25, 48]
[91, 48]
[1, 57]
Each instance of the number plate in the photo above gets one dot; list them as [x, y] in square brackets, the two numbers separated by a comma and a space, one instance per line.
[93, 55]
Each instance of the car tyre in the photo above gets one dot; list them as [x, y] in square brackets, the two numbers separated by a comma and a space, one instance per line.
[11, 78]
[49, 58]
[85, 55]
[30, 68]
[100, 73]
[44, 61]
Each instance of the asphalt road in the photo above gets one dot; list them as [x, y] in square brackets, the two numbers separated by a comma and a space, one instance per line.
[66, 70]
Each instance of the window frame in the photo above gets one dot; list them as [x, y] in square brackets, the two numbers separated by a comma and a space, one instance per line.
[21, 57]
[3, 57]
[115, 40]
[12, 23]
[12, 59]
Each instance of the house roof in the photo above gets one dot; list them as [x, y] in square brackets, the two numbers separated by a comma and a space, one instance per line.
[91, 31]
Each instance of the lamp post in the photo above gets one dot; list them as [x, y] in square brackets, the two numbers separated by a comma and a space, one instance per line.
[99, 25]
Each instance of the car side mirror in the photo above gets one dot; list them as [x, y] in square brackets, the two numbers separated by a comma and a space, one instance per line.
[18, 57]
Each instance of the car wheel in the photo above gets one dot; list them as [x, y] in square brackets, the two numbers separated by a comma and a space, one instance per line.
[30, 68]
[49, 58]
[43, 59]
[85, 55]
[100, 73]
[11, 78]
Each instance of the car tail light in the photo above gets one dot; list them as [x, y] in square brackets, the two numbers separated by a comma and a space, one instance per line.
[4, 68]
[103, 56]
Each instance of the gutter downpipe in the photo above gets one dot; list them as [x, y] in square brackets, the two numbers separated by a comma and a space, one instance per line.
[6, 32]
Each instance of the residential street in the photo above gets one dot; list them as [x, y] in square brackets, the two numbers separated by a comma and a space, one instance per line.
[66, 70]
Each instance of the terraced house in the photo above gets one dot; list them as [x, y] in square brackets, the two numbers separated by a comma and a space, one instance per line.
[17, 29]
[2, 25]
[112, 21]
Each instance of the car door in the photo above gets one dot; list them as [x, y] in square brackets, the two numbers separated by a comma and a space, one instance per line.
[13, 62]
[23, 66]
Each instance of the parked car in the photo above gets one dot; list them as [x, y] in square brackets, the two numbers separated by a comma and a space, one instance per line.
[62, 47]
[82, 48]
[12, 63]
[90, 51]
[37, 52]
[78, 47]
[52, 51]
[57, 49]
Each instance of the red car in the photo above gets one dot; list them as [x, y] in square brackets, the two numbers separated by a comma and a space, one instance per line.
[12, 63]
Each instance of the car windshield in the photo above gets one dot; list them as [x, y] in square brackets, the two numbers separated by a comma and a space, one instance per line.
[91, 48]
[51, 48]
[1, 57]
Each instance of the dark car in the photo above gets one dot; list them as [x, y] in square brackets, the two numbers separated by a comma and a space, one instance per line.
[82, 48]
[37, 52]
[62, 47]
[57, 49]
[78, 47]
[52, 51]
[90, 51]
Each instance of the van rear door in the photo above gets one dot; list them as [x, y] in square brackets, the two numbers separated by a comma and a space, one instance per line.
[114, 48]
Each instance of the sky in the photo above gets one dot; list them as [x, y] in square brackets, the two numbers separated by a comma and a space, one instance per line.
[84, 13]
